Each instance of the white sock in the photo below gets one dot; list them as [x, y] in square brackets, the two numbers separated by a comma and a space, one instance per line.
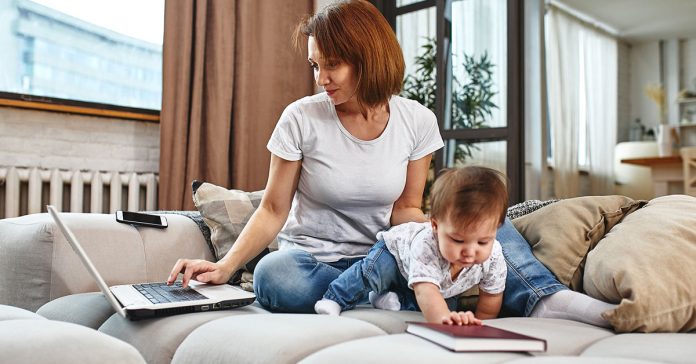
[327, 307]
[385, 301]
[571, 305]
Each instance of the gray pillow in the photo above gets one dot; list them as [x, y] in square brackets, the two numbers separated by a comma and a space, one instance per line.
[226, 212]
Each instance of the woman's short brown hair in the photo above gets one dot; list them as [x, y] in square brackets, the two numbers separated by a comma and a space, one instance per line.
[466, 195]
[354, 31]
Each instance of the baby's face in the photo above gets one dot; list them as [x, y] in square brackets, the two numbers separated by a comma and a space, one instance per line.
[464, 247]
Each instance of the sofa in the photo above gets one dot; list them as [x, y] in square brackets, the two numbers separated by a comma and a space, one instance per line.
[51, 311]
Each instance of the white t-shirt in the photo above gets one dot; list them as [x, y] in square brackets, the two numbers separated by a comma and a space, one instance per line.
[347, 186]
[414, 246]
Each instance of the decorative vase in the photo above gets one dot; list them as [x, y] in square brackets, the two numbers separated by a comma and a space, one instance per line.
[664, 140]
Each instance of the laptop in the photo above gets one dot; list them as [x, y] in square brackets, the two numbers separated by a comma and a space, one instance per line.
[148, 300]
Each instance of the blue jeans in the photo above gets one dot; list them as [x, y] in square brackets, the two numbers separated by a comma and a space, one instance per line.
[293, 280]
[377, 272]
[527, 279]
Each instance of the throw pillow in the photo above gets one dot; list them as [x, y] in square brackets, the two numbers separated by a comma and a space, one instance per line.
[561, 234]
[526, 207]
[647, 264]
[226, 212]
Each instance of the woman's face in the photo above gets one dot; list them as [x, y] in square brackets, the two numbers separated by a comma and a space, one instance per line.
[336, 77]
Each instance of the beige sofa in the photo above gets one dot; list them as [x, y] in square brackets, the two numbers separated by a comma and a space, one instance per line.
[40, 273]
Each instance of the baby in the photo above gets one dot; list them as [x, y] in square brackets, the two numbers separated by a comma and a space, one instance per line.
[425, 266]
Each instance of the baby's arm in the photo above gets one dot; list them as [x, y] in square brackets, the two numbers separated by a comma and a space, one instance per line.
[435, 309]
[488, 306]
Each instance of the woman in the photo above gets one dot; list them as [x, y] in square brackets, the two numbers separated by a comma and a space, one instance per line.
[350, 161]
[345, 164]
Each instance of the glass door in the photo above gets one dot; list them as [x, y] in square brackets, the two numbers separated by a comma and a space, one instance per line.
[464, 61]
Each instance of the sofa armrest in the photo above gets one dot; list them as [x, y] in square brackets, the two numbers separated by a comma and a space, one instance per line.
[38, 265]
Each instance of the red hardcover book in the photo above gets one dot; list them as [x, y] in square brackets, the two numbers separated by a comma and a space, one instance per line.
[475, 338]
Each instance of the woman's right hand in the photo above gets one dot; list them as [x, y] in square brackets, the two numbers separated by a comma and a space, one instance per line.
[200, 270]
[262, 227]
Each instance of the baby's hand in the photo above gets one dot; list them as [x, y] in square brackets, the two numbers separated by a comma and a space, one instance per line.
[461, 318]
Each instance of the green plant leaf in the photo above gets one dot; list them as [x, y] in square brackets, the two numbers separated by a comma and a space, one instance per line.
[472, 104]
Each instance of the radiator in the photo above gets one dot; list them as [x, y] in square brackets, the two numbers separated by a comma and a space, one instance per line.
[28, 190]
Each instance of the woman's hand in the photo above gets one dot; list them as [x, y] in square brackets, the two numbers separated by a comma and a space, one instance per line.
[461, 318]
[200, 270]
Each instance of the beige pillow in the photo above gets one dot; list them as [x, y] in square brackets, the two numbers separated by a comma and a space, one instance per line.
[226, 212]
[648, 263]
[561, 234]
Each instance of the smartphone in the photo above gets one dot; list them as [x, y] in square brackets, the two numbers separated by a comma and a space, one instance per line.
[139, 218]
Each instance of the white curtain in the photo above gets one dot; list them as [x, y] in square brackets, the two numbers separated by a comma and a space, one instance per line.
[478, 27]
[582, 98]
[601, 83]
[562, 62]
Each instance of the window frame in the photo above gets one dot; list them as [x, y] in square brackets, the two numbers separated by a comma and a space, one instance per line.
[513, 133]
[53, 104]
[26, 99]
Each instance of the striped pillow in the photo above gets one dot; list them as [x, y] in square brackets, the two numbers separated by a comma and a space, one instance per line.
[226, 212]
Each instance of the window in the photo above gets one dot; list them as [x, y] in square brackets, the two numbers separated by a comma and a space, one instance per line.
[96, 51]
[477, 86]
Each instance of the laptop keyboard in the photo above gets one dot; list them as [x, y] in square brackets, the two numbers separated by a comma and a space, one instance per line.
[162, 293]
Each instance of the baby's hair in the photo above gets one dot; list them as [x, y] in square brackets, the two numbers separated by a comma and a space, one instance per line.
[466, 195]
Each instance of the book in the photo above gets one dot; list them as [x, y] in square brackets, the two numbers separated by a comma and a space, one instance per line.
[475, 338]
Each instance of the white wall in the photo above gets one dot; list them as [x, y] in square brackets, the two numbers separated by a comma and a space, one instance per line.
[44, 139]
[644, 70]
[688, 61]
[671, 74]
[673, 64]
[623, 113]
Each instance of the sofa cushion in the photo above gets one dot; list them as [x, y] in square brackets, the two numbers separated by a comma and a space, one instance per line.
[16, 313]
[26, 244]
[46, 341]
[158, 339]
[226, 212]
[647, 264]
[402, 349]
[662, 347]
[580, 360]
[561, 234]
[277, 338]
[392, 322]
[85, 309]
[563, 338]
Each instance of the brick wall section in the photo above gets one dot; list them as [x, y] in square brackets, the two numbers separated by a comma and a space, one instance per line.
[67, 141]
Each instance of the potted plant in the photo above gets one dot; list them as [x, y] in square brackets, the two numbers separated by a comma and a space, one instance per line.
[472, 103]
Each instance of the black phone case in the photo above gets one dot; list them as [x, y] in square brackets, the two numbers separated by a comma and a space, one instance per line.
[143, 223]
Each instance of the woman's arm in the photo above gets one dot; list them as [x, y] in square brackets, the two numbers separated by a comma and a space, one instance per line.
[488, 306]
[407, 207]
[262, 227]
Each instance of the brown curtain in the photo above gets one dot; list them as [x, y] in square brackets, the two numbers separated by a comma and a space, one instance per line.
[229, 70]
